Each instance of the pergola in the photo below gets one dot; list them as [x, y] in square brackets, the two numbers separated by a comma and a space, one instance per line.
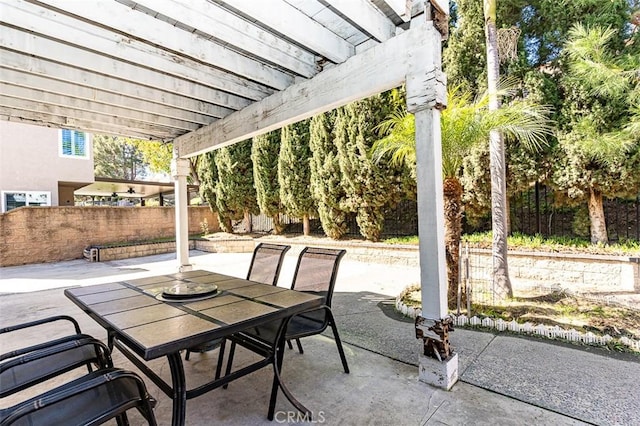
[208, 73]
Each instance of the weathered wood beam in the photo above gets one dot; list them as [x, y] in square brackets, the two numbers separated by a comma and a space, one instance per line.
[364, 15]
[231, 30]
[441, 5]
[294, 25]
[402, 8]
[84, 39]
[42, 47]
[59, 122]
[30, 68]
[48, 99]
[162, 33]
[64, 116]
[378, 69]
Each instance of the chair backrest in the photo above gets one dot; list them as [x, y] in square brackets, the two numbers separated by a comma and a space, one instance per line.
[89, 400]
[317, 270]
[35, 367]
[266, 263]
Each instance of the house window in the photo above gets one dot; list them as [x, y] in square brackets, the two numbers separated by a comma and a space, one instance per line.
[73, 144]
[14, 199]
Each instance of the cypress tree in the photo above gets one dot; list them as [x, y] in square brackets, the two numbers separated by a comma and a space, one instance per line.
[264, 154]
[326, 187]
[294, 172]
[464, 59]
[235, 193]
[208, 173]
[369, 187]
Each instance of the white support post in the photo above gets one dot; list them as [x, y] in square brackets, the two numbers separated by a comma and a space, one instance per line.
[433, 272]
[179, 172]
[426, 96]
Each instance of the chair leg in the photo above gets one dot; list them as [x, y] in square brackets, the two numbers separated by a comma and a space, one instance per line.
[110, 337]
[299, 346]
[186, 357]
[343, 358]
[122, 420]
[289, 344]
[232, 351]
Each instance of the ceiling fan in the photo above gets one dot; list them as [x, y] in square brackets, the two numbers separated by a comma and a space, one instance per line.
[129, 191]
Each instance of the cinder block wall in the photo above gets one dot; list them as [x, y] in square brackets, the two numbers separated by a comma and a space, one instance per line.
[577, 272]
[50, 234]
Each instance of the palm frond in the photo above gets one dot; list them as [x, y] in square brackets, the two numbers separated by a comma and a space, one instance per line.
[527, 123]
[399, 144]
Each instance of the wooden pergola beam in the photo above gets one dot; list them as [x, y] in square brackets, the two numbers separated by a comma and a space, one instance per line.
[380, 68]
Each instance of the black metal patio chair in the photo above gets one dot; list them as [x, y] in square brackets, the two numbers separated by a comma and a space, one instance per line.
[265, 266]
[37, 366]
[316, 273]
[24, 367]
[45, 343]
[92, 399]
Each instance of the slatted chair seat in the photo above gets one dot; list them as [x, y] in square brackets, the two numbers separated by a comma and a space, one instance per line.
[92, 399]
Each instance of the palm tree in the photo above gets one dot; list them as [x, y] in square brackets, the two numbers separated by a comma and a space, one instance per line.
[464, 124]
[497, 164]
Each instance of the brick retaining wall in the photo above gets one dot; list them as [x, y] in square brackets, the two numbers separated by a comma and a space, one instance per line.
[50, 234]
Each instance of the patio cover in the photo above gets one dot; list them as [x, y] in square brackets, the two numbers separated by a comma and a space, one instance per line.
[208, 73]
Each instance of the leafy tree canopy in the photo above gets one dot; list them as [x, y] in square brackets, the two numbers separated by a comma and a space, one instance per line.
[117, 157]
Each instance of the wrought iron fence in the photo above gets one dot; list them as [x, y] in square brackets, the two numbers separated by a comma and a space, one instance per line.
[532, 212]
[401, 220]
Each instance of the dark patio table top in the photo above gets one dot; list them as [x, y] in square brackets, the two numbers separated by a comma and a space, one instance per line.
[153, 326]
[140, 316]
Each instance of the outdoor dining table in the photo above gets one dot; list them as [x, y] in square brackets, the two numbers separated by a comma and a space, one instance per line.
[158, 316]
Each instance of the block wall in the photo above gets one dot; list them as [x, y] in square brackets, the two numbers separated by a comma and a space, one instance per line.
[50, 234]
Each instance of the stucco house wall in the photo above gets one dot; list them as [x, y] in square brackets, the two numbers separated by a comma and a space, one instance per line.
[30, 160]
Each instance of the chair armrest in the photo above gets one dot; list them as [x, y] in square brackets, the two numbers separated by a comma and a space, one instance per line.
[42, 321]
[38, 366]
[39, 346]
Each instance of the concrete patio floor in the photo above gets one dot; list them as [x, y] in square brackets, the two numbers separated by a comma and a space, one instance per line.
[538, 385]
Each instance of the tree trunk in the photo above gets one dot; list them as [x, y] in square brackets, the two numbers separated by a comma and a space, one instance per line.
[248, 226]
[278, 227]
[193, 170]
[225, 223]
[596, 216]
[501, 282]
[306, 227]
[452, 191]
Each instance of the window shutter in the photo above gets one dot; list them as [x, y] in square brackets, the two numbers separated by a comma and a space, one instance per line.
[67, 148]
[79, 144]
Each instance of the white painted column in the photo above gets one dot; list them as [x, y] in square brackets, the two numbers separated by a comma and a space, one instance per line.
[426, 96]
[179, 172]
[433, 270]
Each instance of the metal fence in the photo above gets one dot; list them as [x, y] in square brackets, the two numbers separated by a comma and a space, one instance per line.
[532, 212]
[401, 220]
